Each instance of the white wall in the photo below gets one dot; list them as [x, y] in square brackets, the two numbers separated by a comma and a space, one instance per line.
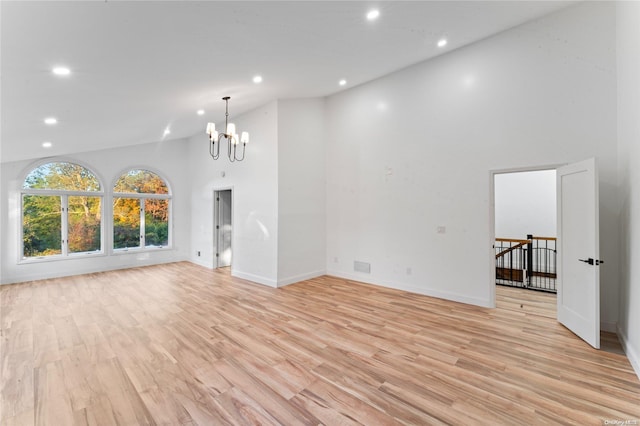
[165, 158]
[301, 190]
[525, 203]
[278, 194]
[415, 149]
[255, 197]
[628, 48]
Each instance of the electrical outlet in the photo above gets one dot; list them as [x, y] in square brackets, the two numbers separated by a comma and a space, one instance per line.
[198, 254]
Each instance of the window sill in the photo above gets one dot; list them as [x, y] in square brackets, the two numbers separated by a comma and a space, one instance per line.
[134, 250]
[59, 257]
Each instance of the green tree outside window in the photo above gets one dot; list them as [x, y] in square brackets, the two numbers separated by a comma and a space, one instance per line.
[61, 211]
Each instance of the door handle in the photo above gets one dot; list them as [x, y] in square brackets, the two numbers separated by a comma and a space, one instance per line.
[591, 261]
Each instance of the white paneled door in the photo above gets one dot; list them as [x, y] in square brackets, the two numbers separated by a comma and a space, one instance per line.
[578, 250]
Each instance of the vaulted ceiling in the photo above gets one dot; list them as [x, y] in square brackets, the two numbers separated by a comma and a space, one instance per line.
[141, 68]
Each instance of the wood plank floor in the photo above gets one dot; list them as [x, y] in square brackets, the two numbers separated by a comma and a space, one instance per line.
[178, 344]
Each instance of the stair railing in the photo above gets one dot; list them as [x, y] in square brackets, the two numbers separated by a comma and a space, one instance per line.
[510, 261]
[529, 263]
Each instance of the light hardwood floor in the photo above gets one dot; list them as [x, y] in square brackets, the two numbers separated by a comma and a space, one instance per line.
[178, 344]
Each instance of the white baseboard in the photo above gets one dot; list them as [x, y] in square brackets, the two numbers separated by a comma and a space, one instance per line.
[263, 280]
[45, 276]
[89, 269]
[297, 278]
[455, 297]
[632, 354]
[201, 262]
[254, 278]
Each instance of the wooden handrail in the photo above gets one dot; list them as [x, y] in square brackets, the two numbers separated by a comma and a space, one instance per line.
[520, 243]
[511, 240]
[510, 249]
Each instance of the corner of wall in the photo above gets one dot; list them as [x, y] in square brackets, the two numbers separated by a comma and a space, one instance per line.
[254, 278]
[633, 354]
[282, 282]
[610, 327]
[628, 132]
[301, 190]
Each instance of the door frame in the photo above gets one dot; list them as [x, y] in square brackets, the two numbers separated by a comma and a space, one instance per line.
[215, 223]
[492, 218]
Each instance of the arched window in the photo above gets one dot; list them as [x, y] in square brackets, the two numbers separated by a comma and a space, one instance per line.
[61, 211]
[141, 201]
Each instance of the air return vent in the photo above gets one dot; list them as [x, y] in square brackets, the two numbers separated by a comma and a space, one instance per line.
[362, 267]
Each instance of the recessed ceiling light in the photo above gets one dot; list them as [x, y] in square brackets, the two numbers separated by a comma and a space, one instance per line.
[442, 42]
[50, 120]
[373, 14]
[46, 144]
[167, 131]
[61, 71]
[257, 79]
[342, 82]
[200, 112]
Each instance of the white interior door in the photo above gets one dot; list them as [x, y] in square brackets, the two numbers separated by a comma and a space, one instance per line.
[578, 250]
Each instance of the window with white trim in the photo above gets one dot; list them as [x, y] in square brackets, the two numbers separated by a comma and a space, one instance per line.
[61, 212]
[141, 210]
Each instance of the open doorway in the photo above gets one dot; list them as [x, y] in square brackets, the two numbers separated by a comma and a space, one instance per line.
[525, 230]
[578, 261]
[223, 227]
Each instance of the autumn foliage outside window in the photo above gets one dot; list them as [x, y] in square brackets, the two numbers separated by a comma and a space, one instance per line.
[62, 210]
[140, 211]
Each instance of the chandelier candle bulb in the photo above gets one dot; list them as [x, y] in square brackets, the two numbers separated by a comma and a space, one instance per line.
[231, 129]
[245, 138]
[211, 128]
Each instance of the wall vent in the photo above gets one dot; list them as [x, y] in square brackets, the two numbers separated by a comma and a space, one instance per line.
[362, 267]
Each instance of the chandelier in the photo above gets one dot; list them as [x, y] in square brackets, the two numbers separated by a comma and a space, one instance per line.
[215, 138]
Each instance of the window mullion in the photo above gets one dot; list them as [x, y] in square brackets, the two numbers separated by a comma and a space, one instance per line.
[64, 217]
[142, 224]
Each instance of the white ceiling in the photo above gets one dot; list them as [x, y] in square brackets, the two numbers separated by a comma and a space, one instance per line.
[139, 67]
